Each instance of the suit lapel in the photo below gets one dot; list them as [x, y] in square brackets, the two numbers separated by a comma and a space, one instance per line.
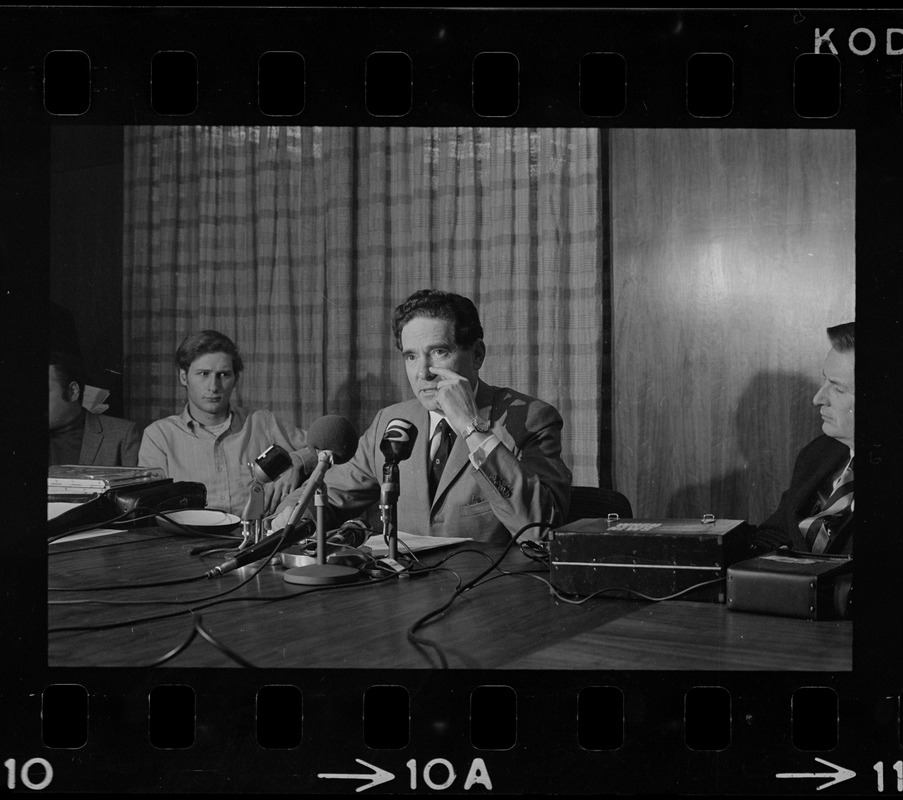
[414, 495]
[821, 474]
[91, 440]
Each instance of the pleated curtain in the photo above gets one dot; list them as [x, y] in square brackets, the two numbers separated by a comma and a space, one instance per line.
[297, 242]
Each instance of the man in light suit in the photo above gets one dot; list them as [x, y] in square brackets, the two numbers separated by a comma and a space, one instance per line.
[816, 512]
[503, 469]
[77, 436]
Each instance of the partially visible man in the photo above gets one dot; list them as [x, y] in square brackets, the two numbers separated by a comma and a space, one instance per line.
[210, 441]
[486, 461]
[816, 512]
[77, 436]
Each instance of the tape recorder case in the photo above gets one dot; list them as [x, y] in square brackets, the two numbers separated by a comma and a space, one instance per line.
[791, 584]
[653, 557]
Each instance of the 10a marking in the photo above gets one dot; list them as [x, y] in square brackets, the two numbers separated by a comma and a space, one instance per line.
[444, 776]
[898, 768]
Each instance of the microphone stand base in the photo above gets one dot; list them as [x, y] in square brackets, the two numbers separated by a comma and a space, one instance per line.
[321, 574]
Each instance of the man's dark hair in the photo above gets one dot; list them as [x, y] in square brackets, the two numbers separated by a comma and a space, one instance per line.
[204, 342]
[69, 368]
[437, 304]
[842, 338]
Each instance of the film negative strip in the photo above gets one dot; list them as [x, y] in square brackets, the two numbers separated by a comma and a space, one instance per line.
[765, 139]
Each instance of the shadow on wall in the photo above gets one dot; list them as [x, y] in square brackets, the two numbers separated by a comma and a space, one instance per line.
[775, 418]
[358, 401]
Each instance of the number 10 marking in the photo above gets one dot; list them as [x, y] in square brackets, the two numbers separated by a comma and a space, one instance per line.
[25, 773]
[898, 768]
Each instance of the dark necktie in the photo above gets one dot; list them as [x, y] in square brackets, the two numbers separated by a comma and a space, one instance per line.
[446, 438]
[818, 528]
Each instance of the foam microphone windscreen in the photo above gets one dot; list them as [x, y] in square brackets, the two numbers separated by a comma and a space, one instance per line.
[336, 434]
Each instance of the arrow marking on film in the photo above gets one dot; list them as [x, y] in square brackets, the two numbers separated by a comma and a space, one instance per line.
[377, 777]
[840, 774]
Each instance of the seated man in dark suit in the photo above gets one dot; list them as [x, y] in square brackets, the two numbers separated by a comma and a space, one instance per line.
[816, 512]
[77, 436]
[503, 468]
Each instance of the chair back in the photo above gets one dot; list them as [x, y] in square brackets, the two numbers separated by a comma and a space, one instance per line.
[593, 502]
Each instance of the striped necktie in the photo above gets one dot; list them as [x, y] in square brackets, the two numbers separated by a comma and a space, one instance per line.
[818, 528]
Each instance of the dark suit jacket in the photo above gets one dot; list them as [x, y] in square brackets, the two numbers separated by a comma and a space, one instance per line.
[109, 441]
[816, 465]
[523, 480]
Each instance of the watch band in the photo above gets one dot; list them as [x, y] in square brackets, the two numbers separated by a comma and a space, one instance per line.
[476, 424]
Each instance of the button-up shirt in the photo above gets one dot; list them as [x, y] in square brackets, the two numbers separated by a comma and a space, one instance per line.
[188, 451]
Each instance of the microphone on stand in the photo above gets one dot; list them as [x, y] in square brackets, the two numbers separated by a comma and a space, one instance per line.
[268, 466]
[397, 445]
[336, 439]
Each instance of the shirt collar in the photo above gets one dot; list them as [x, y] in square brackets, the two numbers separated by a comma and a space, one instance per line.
[237, 415]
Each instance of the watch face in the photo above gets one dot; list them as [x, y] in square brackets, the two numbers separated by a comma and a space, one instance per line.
[482, 425]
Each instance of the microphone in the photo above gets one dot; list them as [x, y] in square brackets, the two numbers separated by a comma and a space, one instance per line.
[265, 548]
[397, 445]
[353, 533]
[333, 433]
[332, 440]
[398, 440]
[268, 466]
[336, 439]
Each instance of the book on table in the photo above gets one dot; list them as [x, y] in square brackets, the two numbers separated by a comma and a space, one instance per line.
[84, 479]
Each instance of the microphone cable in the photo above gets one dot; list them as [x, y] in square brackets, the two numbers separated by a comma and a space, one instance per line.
[420, 642]
[215, 598]
[127, 517]
[570, 598]
[198, 628]
[163, 535]
[200, 603]
[155, 584]
[91, 526]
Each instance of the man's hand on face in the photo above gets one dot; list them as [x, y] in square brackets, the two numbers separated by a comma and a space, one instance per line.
[455, 398]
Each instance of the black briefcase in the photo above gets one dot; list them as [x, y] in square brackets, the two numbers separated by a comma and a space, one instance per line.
[788, 583]
[140, 501]
[129, 506]
[655, 558]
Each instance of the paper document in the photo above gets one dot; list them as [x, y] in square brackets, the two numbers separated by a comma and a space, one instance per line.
[55, 509]
[94, 399]
[411, 541]
[74, 537]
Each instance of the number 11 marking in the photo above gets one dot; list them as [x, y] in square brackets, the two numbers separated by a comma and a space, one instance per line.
[898, 768]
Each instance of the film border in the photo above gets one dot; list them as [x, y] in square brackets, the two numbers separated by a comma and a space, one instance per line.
[121, 42]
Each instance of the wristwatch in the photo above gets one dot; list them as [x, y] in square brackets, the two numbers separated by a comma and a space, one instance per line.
[476, 424]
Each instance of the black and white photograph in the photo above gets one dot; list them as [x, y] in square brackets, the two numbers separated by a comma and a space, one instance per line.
[614, 321]
[454, 400]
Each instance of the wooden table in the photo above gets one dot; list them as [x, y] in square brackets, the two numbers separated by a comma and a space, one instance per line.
[507, 622]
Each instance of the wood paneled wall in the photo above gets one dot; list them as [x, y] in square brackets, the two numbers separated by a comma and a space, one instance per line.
[732, 251]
